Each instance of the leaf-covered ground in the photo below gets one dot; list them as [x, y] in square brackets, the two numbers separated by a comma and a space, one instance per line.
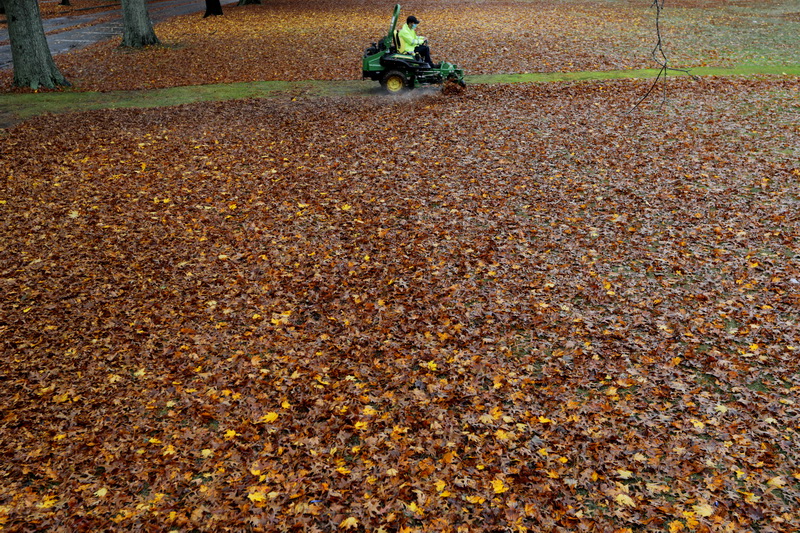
[53, 9]
[324, 40]
[518, 307]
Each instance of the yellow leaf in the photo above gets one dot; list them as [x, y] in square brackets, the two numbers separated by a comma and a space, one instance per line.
[475, 499]
[285, 404]
[624, 499]
[721, 409]
[414, 508]
[502, 435]
[169, 450]
[346, 207]
[61, 398]
[431, 365]
[440, 485]
[270, 417]
[257, 496]
[207, 452]
[697, 423]
[749, 497]
[153, 440]
[498, 486]
[361, 425]
[545, 420]
[656, 488]
[343, 470]
[676, 526]
[230, 434]
[48, 502]
[777, 482]
[369, 411]
[101, 492]
[139, 373]
[703, 509]
[349, 523]
[391, 472]
[625, 474]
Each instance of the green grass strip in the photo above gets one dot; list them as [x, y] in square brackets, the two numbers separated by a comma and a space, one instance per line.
[15, 107]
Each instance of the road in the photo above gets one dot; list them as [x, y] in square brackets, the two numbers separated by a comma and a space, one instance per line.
[64, 41]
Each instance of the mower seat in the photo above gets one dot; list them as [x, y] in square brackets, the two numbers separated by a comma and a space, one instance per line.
[396, 47]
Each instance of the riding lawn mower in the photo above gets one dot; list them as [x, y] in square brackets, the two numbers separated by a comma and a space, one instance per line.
[398, 71]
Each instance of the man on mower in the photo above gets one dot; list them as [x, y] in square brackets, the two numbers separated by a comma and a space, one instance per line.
[410, 43]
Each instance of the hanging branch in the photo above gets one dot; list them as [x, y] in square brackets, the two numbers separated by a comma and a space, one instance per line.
[660, 57]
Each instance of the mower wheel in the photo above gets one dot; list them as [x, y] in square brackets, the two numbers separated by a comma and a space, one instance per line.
[394, 81]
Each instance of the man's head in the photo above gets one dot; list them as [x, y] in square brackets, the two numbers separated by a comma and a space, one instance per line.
[412, 21]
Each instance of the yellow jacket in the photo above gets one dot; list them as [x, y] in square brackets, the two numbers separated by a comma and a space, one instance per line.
[408, 40]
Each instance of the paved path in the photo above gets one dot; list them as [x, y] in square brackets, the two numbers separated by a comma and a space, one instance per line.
[80, 37]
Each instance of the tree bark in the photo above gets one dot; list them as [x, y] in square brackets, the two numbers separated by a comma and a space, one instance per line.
[137, 30]
[33, 63]
[248, 2]
[2, 7]
[213, 7]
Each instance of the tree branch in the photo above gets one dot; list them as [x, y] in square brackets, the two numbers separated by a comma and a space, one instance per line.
[660, 58]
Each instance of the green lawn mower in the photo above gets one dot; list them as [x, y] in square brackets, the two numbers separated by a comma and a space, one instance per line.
[397, 72]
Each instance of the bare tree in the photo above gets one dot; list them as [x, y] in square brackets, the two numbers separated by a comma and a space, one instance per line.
[33, 63]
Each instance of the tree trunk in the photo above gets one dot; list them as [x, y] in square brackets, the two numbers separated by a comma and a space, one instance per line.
[64, 3]
[248, 2]
[137, 30]
[2, 7]
[33, 63]
[213, 7]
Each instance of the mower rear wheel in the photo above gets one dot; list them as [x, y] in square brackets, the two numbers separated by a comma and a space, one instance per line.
[394, 81]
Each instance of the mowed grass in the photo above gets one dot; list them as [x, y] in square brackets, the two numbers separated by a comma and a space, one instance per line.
[15, 107]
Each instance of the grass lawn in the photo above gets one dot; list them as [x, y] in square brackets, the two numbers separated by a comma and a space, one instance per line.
[525, 307]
